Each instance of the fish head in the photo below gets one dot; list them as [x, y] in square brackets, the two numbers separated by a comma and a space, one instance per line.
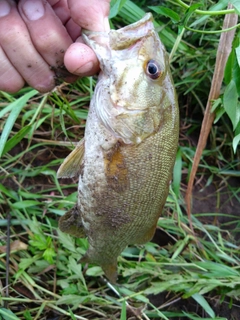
[135, 83]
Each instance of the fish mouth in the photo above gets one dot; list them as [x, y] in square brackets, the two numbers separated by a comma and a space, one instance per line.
[128, 36]
[122, 38]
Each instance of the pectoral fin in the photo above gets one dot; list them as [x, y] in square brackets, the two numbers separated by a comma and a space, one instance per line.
[71, 166]
[71, 223]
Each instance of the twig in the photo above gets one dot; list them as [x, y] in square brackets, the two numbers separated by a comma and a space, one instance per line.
[8, 257]
[224, 49]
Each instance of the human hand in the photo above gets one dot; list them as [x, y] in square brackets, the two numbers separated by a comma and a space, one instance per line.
[91, 15]
[34, 36]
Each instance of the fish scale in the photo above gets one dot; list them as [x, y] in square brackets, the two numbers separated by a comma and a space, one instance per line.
[126, 158]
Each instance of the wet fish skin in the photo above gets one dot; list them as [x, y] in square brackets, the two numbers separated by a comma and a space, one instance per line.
[126, 159]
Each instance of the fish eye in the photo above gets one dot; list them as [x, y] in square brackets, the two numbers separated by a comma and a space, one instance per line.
[153, 69]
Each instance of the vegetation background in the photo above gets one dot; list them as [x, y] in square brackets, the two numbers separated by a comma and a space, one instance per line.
[176, 276]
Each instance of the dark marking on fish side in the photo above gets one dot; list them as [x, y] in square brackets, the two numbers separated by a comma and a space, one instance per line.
[116, 171]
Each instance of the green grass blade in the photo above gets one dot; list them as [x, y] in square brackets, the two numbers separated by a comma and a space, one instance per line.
[16, 108]
[130, 12]
[124, 311]
[12, 142]
[216, 7]
[116, 5]
[204, 304]
[7, 314]
[177, 174]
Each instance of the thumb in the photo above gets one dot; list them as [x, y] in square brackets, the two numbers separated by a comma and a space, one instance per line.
[91, 14]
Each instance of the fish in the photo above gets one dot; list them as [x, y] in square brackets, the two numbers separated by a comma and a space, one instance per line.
[126, 158]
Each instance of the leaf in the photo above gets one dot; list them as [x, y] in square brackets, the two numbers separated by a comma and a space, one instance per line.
[131, 12]
[116, 6]
[189, 12]
[9, 193]
[177, 173]
[235, 142]
[8, 314]
[237, 50]
[220, 5]
[67, 241]
[166, 12]
[49, 254]
[25, 204]
[15, 246]
[232, 68]
[71, 314]
[12, 142]
[229, 67]
[192, 317]
[124, 311]
[236, 4]
[141, 298]
[230, 103]
[16, 107]
[217, 107]
[204, 304]
[71, 299]
[26, 262]
[76, 269]
[217, 270]
[94, 271]
[27, 315]
[236, 75]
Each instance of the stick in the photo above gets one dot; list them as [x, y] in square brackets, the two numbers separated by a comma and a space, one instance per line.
[224, 49]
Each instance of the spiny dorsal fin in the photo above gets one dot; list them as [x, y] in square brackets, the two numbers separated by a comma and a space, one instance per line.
[71, 166]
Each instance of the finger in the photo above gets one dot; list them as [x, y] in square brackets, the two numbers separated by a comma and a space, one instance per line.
[73, 29]
[61, 9]
[10, 79]
[81, 60]
[18, 47]
[48, 34]
[91, 14]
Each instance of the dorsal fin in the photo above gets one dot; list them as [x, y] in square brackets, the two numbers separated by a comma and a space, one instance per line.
[71, 166]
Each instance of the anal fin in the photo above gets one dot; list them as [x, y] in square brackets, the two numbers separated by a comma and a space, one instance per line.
[71, 223]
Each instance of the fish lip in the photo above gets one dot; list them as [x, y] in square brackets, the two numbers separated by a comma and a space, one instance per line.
[147, 18]
[122, 38]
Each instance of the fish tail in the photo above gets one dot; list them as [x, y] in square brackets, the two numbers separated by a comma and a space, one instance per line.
[110, 269]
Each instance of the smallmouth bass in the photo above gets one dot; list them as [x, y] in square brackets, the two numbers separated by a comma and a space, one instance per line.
[126, 157]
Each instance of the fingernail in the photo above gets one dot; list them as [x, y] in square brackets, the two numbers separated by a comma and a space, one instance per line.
[33, 9]
[85, 68]
[4, 8]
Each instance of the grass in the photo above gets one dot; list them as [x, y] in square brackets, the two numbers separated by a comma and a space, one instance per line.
[191, 276]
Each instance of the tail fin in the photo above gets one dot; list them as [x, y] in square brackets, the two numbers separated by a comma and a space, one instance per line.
[109, 269]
